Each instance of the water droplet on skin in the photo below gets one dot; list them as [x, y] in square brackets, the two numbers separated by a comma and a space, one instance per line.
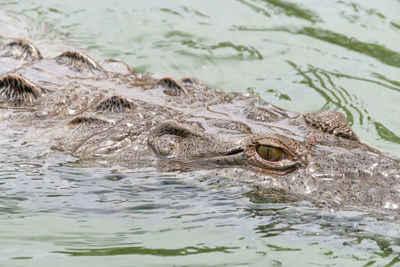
[390, 205]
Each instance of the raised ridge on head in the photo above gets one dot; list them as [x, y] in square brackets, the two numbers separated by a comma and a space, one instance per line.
[21, 49]
[79, 62]
[173, 128]
[115, 104]
[172, 87]
[231, 126]
[331, 122]
[87, 120]
[16, 90]
[264, 114]
[84, 123]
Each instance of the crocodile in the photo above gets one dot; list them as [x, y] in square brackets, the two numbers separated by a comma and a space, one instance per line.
[105, 112]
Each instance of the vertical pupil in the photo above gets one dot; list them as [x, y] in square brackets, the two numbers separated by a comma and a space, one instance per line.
[269, 153]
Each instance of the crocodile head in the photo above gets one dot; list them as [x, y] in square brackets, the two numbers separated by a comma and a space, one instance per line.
[107, 112]
[313, 156]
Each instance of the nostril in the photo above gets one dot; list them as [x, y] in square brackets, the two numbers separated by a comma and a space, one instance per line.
[166, 145]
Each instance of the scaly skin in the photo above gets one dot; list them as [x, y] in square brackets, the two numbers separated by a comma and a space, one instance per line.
[109, 113]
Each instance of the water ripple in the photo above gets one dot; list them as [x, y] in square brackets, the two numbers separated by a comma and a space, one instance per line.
[341, 55]
[379, 52]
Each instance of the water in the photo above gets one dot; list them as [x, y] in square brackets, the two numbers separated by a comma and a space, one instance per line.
[300, 55]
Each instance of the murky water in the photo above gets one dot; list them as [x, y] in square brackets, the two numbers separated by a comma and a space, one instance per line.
[300, 55]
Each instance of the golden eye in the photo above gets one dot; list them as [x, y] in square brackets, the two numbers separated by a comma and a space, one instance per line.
[270, 153]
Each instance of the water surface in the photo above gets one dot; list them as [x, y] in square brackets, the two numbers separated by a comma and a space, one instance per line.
[300, 55]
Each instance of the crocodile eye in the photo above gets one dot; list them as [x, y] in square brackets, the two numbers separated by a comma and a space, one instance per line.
[270, 153]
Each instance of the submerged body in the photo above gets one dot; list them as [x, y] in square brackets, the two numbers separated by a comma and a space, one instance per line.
[108, 113]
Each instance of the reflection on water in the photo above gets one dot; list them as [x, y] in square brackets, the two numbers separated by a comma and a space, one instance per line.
[278, 7]
[379, 52]
[145, 251]
[301, 55]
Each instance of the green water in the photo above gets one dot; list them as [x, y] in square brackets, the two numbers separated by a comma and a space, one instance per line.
[300, 55]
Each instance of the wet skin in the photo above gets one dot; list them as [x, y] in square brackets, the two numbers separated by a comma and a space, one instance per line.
[104, 111]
